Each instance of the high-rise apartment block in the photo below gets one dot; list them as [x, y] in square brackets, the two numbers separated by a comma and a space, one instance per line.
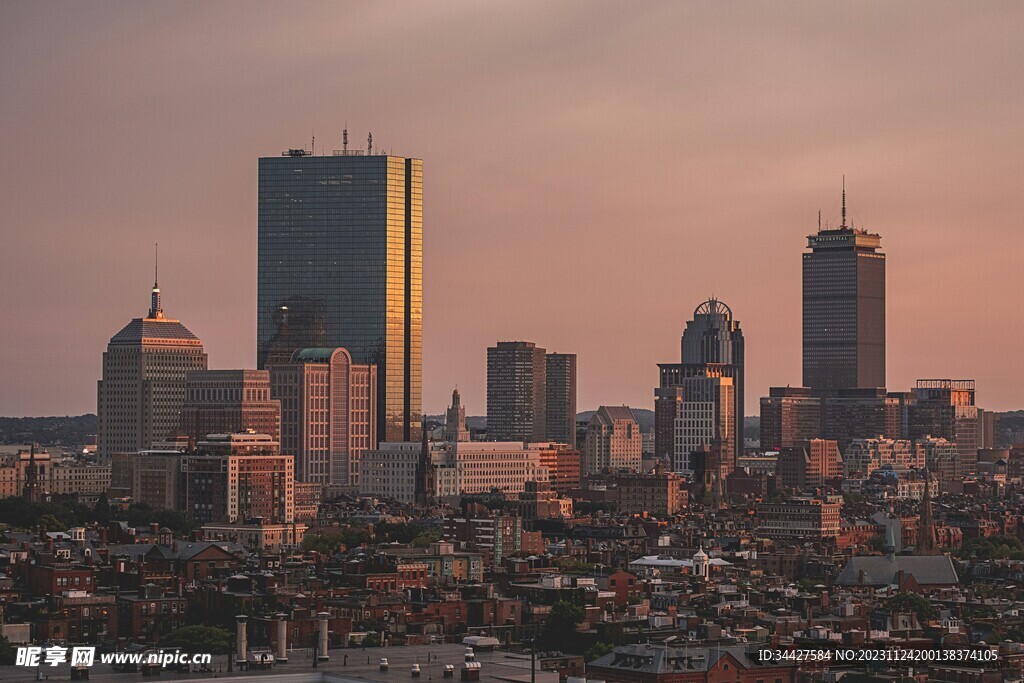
[560, 398]
[810, 464]
[711, 346]
[228, 478]
[143, 388]
[789, 415]
[341, 265]
[227, 402]
[945, 408]
[562, 462]
[328, 413]
[531, 394]
[613, 441]
[843, 309]
[516, 392]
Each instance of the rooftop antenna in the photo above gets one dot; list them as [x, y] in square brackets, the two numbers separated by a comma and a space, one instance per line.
[344, 140]
[312, 145]
[819, 220]
[369, 145]
[155, 309]
[844, 201]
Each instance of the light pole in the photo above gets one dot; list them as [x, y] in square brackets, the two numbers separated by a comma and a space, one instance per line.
[533, 659]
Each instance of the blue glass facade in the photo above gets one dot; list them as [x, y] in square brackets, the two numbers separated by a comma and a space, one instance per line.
[341, 264]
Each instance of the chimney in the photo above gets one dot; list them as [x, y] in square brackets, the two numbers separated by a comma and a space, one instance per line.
[282, 639]
[824, 601]
[240, 639]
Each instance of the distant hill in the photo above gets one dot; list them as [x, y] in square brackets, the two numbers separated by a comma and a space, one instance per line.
[49, 431]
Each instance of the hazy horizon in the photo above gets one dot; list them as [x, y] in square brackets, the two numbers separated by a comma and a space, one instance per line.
[592, 172]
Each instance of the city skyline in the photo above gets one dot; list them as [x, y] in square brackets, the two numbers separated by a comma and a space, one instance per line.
[930, 158]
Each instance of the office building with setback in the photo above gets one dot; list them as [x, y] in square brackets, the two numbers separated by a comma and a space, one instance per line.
[140, 397]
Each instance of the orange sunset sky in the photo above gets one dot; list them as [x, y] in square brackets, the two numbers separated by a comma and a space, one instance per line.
[592, 171]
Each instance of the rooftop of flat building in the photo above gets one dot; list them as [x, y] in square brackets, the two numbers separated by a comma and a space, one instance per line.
[346, 665]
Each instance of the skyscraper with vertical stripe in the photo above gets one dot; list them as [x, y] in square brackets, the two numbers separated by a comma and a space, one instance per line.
[341, 265]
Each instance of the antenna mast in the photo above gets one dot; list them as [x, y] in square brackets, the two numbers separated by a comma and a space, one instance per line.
[344, 140]
[844, 200]
[369, 145]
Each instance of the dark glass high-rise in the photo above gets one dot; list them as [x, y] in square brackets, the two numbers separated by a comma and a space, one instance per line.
[341, 264]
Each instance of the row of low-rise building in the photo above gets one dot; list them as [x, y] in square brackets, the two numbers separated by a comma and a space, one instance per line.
[59, 476]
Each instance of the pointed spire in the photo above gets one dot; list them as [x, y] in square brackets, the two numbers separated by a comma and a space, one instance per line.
[926, 541]
[155, 309]
[844, 201]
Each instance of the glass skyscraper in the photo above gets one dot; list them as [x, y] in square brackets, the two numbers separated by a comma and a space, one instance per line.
[341, 264]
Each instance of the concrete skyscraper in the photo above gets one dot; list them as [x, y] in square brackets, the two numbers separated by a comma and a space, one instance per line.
[341, 265]
[711, 347]
[143, 388]
[516, 392]
[843, 310]
[560, 397]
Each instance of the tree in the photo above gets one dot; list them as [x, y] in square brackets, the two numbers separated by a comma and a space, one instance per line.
[51, 523]
[912, 602]
[426, 537]
[560, 623]
[101, 511]
[598, 650]
[199, 638]
[7, 653]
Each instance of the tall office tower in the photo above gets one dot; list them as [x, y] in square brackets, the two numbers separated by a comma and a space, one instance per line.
[707, 417]
[843, 309]
[455, 420]
[712, 344]
[229, 402]
[143, 386]
[613, 441]
[560, 397]
[789, 415]
[946, 408]
[516, 392]
[328, 413]
[341, 264]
